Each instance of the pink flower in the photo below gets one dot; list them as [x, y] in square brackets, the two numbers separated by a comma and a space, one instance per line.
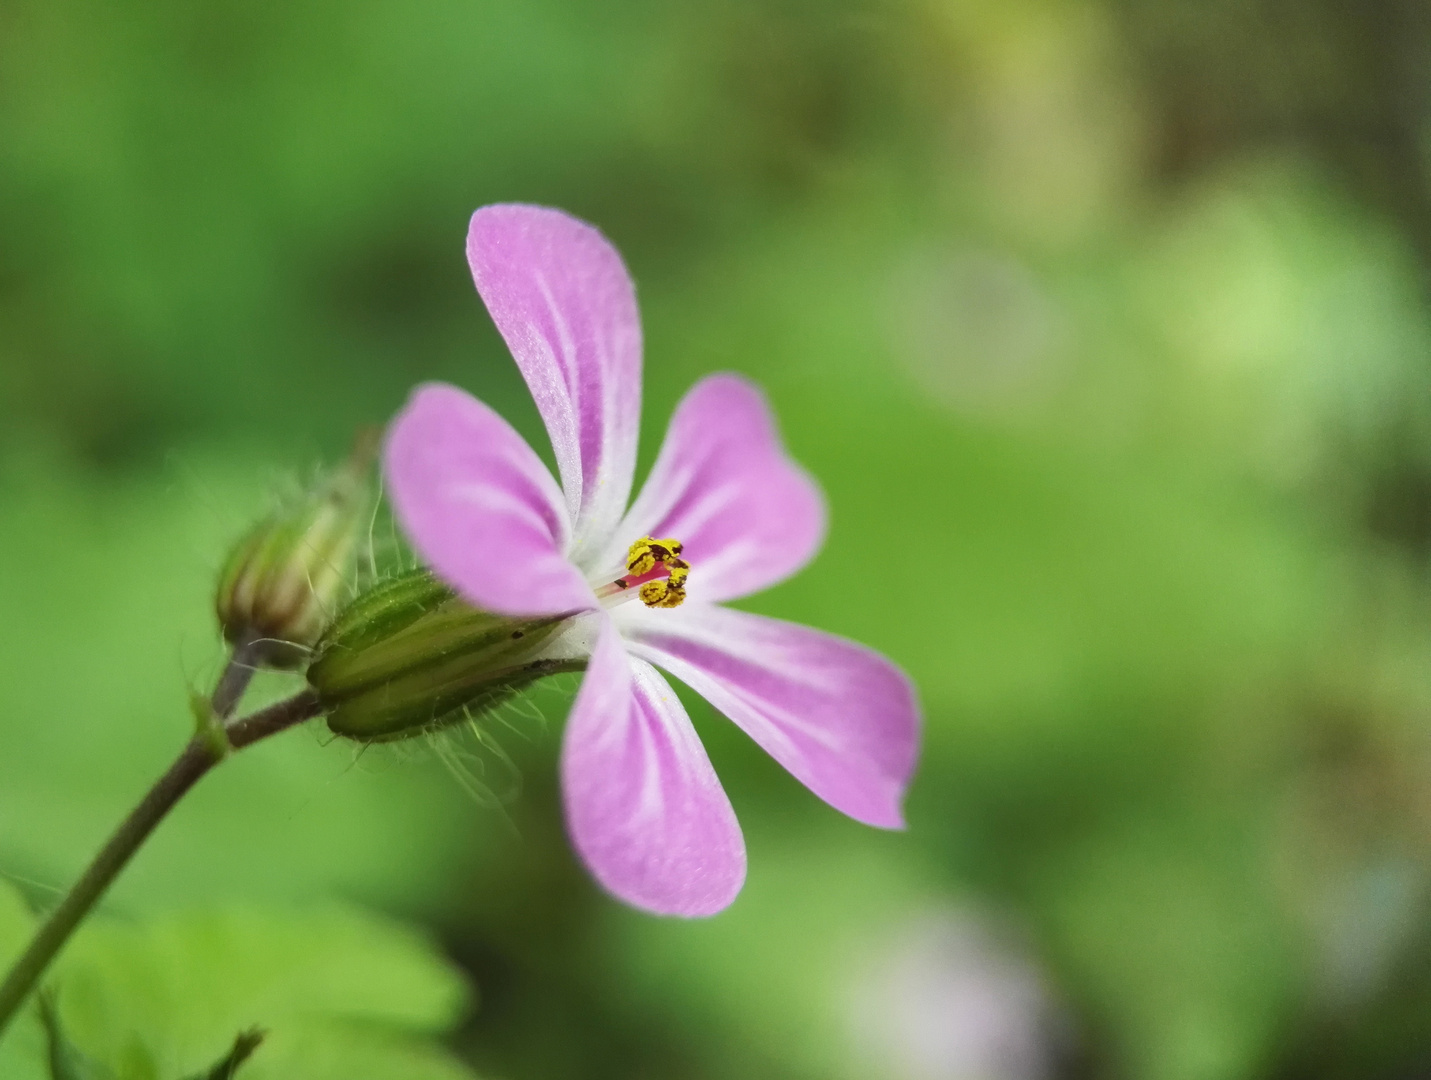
[643, 805]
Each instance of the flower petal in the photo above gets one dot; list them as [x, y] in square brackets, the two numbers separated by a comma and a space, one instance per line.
[561, 297]
[643, 805]
[724, 486]
[839, 716]
[479, 506]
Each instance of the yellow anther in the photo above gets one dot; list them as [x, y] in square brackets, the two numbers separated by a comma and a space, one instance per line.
[640, 560]
[663, 593]
[647, 552]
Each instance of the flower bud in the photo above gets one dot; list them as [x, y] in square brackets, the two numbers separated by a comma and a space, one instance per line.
[410, 656]
[285, 577]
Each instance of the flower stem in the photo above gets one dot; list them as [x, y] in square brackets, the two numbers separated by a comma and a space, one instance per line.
[198, 757]
[237, 674]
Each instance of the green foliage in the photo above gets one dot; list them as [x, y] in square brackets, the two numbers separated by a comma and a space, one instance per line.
[245, 1043]
[285, 821]
[65, 1060]
[25, 1049]
[1102, 324]
[335, 992]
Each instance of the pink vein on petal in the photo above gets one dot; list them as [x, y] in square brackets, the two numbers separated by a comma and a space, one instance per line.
[840, 717]
[644, 807]
[479, 506]
[563, 301]
[724, 486]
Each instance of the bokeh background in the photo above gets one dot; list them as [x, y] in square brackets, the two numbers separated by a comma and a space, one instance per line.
[1103, 323]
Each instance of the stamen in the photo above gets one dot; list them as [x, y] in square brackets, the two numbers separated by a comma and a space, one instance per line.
[648, 552]
[656, 573]
[662, 593]
[612, 588]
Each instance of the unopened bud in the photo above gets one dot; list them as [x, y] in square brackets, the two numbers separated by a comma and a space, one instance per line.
[285, 578]
[409, 656]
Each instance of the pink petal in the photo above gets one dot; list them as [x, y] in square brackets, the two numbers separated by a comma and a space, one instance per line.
[724, 486]
[479, 506]
[643, 805]
[839, 716]
[561, 297]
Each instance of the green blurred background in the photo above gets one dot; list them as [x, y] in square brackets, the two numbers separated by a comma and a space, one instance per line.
[1105, 326]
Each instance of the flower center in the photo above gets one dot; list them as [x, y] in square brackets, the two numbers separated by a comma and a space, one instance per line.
[655, 570]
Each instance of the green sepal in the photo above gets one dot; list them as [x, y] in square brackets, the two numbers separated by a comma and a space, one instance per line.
[385, 609]
[409, 656]
[283, 579]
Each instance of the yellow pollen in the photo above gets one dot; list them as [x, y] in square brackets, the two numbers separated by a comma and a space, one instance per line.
[648, 553]
[661, 593]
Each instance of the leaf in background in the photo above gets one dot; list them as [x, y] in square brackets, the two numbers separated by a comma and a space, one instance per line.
[115, 580]
[339, 993]
[244, 1046]
[337, 989]
[351, 1052]
[65, 1060]
[23, 1045]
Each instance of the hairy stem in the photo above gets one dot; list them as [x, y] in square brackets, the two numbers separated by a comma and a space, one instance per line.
[237, 674]
[198, 757]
